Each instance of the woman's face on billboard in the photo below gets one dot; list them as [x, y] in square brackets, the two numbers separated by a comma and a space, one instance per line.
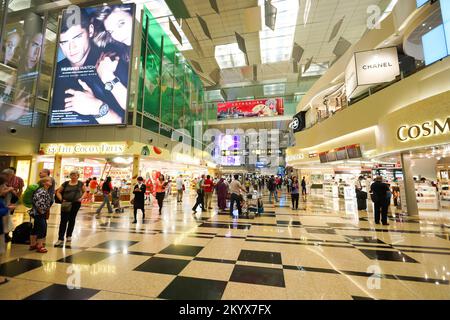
[34, 51]
[11, 44]
[119, 24]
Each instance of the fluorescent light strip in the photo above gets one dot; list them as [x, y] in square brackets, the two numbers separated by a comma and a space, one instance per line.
[276, 45]
[229, 56]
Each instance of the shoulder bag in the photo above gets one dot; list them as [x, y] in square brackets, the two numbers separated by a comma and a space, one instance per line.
[64, 185]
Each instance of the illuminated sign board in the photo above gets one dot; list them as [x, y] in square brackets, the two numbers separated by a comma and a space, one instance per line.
[92, 66]
[82, 148]
[426, 129]
[371, 68]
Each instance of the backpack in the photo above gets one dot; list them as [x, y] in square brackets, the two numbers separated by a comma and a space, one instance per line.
[27, 197]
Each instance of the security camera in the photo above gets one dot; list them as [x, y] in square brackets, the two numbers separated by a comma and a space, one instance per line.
[12, 131]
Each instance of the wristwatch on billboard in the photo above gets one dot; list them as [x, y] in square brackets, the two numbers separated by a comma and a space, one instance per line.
[109, 86]
[102, 111]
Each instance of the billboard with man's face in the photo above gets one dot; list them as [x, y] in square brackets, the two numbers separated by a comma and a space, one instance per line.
[93, 65]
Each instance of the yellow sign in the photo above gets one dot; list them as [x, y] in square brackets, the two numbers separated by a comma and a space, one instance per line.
[82, 148]
[426, 129]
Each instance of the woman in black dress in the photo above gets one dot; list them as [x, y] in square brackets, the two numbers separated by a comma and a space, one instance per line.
[139, 198]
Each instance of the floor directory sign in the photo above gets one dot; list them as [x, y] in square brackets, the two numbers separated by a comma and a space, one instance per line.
[93, 65]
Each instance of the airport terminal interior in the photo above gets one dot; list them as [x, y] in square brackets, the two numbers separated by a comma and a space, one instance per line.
[225, 150]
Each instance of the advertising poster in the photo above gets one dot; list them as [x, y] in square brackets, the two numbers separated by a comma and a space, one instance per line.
[250, 108]
[22, 51]
[92, 66]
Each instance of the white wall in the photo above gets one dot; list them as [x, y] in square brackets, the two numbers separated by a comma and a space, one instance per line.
[424, 168]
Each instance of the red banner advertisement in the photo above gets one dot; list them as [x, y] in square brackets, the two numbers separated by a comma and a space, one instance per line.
[250, 108]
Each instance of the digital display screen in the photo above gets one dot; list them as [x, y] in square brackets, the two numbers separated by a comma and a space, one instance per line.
[92, 66]
[354, 152]
[341, 154]
[323, 157]
[434, 45]
[331, 156]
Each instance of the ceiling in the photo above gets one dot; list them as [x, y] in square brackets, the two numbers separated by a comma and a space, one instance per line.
[324, 34]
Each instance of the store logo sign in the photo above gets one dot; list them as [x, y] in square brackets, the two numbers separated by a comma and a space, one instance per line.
[77, 149]
[426, 129]
[295, 157]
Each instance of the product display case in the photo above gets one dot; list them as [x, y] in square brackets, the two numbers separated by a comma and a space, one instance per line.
[330, 190]
[427, 197]
[445, 195]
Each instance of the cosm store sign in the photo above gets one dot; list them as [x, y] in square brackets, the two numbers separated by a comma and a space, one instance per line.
[426, 129]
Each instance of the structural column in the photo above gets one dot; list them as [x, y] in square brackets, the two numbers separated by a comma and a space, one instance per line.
[57, 170]
[136, 161]
[409, 204]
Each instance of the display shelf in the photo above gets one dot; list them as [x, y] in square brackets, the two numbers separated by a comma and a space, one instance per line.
[445, 196]
[427, 197]
[330, 190]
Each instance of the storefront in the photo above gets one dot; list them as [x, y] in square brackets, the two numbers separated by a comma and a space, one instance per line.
[123, 161]
[409, 148]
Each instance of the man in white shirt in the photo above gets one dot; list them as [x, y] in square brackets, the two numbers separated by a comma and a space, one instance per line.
[235, 190]
[179, 182]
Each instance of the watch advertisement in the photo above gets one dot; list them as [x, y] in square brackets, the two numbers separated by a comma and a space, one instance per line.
[90, 85]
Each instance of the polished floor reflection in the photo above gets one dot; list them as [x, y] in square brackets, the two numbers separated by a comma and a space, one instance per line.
[326, 250]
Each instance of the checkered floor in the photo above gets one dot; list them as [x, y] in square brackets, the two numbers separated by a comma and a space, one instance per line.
[325, 250]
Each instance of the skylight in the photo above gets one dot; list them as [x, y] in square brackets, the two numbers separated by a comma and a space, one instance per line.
[276, 45]
[229, 56]
[162, 14]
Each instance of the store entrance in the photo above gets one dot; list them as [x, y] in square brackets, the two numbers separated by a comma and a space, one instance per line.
[430, 168]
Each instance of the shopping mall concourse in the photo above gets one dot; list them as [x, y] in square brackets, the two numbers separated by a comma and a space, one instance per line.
[224, 150]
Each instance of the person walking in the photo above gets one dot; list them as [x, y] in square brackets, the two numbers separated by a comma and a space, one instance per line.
[379, 192]
[235, 190]
[208, 188]
[42, 202]
[295, 193]
[303, 184]
[200, 195]
[106, 190]
[139, 198]
[222, 191]
[69, 194]
[160, 192]
[180, 186]
[272, 187]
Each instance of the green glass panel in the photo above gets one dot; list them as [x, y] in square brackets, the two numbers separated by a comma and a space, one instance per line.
[151, 125]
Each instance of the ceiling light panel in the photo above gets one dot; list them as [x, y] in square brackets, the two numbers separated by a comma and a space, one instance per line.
[276, 45]
[229, 56]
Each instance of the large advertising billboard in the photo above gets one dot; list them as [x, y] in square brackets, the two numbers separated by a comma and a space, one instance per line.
[250, 108]
[92, 66]
[21, 55]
